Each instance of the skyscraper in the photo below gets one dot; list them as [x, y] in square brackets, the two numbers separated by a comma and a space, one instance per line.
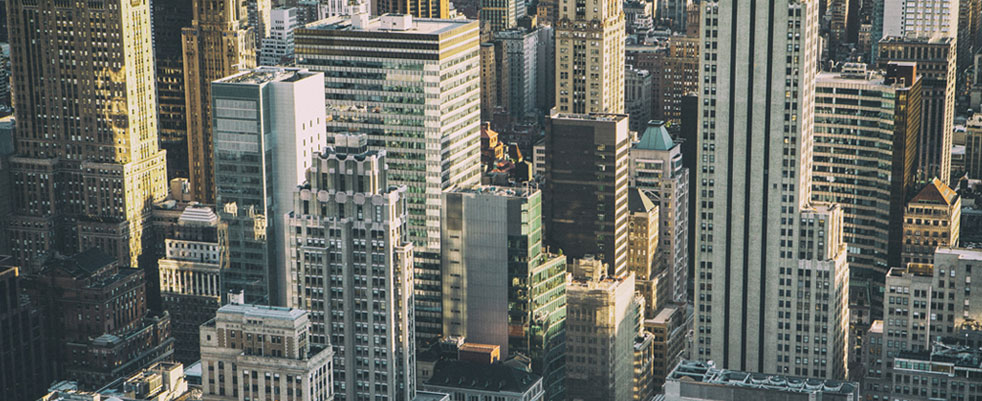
[169, 18]
[657, 169]
[865, 158]
[23, 356]
[935, 58]
[217, 44]
[762, 243]
[87, 168]
[923, 19]
[590, 57]
[932, 219]
[422, 105]
[585, 198]
[352, 268]
[278, 46]
[500, 286]
[268, 123]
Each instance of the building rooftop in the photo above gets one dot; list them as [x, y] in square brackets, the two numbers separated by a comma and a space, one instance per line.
[484, 377]
[936, 192]
[655, 137]
[945, 354]
[198, 215]
[639, 202]
[262, 311]
[390, 23]
[262, 75]
[708, 373]
[590, 117]
[876, 327]
[517, 191]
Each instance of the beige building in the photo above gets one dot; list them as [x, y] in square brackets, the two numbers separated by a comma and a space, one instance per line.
[87, 167]
[590, 57]
[642, 250]
[251, 352]
[601, 324]
[931, 221]
[669, 329]
[218, 43]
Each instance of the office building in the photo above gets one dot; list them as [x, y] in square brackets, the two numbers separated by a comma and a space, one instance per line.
[638, 17]
[501, 15]
[762, 243]
[517, 56]
[585, 197]
[673, 13]
[932, 220]
[973, 146]
[249, 352]
[590, 81]
[68, 196]
[923, 302]
[866, 129]
[169, 17]
[946, 371]
[489, 77]
[698, 381]
[257, 17]
[674, 68]
[918, 19]
[24, 366]
[669, 330]
[637, 97]
[96, 318]
[278, 46]
[351, 267]
[268, 124]
[642, 251]
[216, 45]
[437, 91]
[935, 58]
[656, 169]
[601, 324]
[471, 380]
[500, 286]
[436, 9]
[644, 359]
[190, 275]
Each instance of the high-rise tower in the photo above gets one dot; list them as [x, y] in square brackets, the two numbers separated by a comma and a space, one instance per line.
[590, 57]
[87, 167]
[217, 44]
[766, 255]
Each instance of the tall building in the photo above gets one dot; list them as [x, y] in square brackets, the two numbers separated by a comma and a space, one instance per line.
[932, 219]
[585, 200]
[500, 286]
[501, 15]
[670, 328]
[590, 81]
[935, 58]
[642, 252]
[439, 9]
[602, 318]
[268, 124]
[923, 302]
[973, 146]
[351, 267]
[278, 46]
[517, 56]
[656, 168]
[696, 381]
[96, 88]
[24, 366]
[866, 130]
[762, 243]
[96, 318]
[637, 97]
[437, 88]
[249, 352]
[218, 43]
[190, 275]
[674, 66]
[257, 15]
[169, 17]
[923, 19]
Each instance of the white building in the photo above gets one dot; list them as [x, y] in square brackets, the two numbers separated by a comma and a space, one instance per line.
[269, 121]
[277, 47]
[413, 86]
[352, 268]
[251, 352]
[920, 18]
[770, 262]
